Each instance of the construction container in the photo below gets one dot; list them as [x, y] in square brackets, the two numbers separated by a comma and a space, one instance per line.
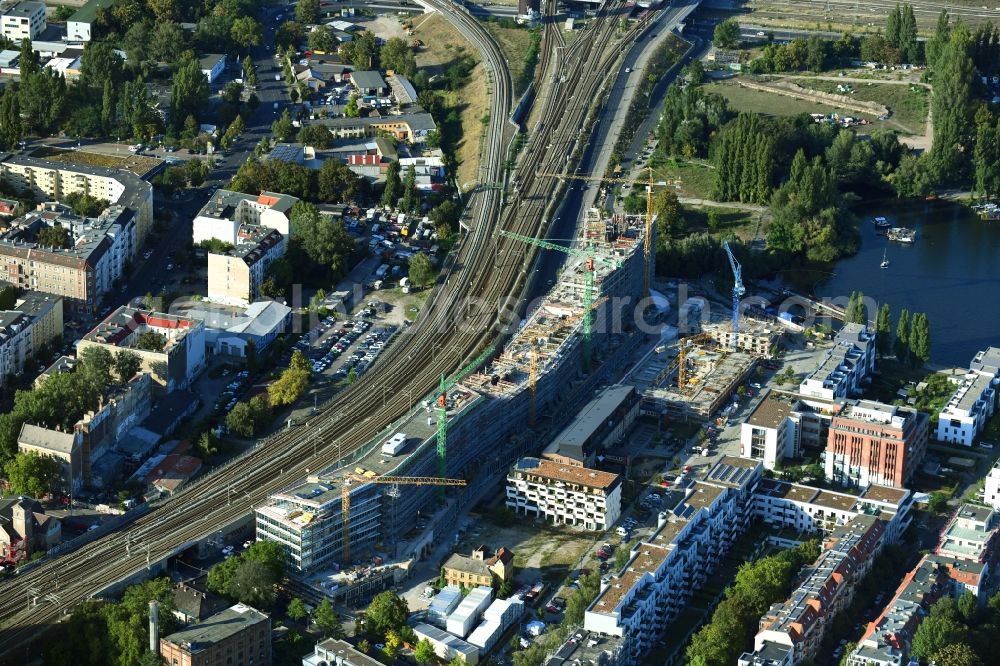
[465, 617]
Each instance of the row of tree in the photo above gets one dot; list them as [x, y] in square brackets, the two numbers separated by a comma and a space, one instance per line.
[757, 585]
[912, 341]
[333, 182]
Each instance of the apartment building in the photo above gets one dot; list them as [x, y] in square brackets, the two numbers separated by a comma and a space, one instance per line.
[769, 433]
[15, 343]
[971, 534]
[811, 510]
[887, 640]
[123, 408]
[974, 401]
[24, 20]
[45, 179]
[64, 447]
[46, 314]
[564, 494]
[636, 604]
[235, 276]
[791, 631]
[81, 274]
[230, 330]
[601, 424]
[237, 636]
[227, 211]
[80, 26]
[872, 442]
[846, 366]
[177, 356]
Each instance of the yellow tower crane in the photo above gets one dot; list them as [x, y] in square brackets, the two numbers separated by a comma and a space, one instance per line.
[684, 344]
[345, 497]
[648, 254]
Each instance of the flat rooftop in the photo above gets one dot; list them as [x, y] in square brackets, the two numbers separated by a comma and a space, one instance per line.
[833, 500]
[702, 495]
[885, 494]
[732, 471]
[583, 476]
[770, 412]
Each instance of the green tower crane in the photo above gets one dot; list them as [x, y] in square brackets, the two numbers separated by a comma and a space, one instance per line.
[441, 402]
[591, 258]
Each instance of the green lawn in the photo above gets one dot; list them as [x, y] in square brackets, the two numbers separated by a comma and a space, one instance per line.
[697, 178]
[907, 104]
[765, 103]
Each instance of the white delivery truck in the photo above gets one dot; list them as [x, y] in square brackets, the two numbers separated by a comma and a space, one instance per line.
[404, 284]
[395, 444]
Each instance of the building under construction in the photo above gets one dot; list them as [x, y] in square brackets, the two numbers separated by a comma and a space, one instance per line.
[753, 337]
[519, 399]
[693, 379]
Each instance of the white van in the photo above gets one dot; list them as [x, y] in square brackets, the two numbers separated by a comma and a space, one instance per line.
[621, 531]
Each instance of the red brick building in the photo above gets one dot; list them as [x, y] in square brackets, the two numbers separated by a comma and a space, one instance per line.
[237, 636]
[872, 442]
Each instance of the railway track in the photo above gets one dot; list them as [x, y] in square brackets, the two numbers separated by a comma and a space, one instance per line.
[458, 319]
[865, 15]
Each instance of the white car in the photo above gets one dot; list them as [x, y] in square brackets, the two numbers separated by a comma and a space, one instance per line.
[628, 70]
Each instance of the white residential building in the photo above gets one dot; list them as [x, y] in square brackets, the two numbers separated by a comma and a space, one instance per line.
[212, 65]
[564, 494]
[974, 400]
[970, 535]
[235, 276]
[24, 20]
[224, 214]
[811, 510]
[769, 433]
[991, 487]
[635, 605]
[846, 366]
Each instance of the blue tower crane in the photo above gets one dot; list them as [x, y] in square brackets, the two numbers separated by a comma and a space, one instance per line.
[738, 291]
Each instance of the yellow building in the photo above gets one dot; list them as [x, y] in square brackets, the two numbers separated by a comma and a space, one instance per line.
[479, 569]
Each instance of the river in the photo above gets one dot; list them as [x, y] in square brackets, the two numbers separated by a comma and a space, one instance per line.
[952, 273]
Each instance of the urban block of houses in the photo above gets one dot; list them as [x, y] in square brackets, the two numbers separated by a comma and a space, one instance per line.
[564, 494]
[973, 402]
[791, 631]
[238, 630]
[227, 211]
[172, 366]
[412, 126]
[23, 20]
[86, 453]
[782, 424]
[36, 320]
[846, 366]
[25, 529]
[230, 329]
[235, 276]
[872, 442]
[479, 568]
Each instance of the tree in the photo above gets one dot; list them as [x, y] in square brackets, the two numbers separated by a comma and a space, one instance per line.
[282, 128]
[411, 197]
[424, 652]
[856, 313]
[892, 26]
[937, 43]
[951, 107]
[883, 328]
[189, 93]
[151, 341]
[351, 109]
[288, 35]
[166, 41]
[386, 612]
[32, 474]
[393, 185]
[727, 34]
[322, 39]
[421, 270]
[363, 51]
[296, 609]
[324, 242]
[327, 619]
[316, 136]
[445, 218]
[968, 608]
[901, 345]
[253, 584]
[307, 12]
[696, 72]
[920, 339]
[249, 72]
[207, 445]
[55, 236]
[397, 55]
[985, 156]
[288, 387]
[245, 32]
[127, 363]
[934, 634]
[957, 654]
[11, 127]
[352, 375]
[908, 36]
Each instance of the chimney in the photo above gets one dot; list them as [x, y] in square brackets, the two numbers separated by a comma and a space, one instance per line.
[154, 627]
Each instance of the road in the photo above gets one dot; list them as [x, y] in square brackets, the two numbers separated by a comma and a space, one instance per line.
[484, 270]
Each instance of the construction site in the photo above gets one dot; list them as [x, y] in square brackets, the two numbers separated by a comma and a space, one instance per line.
[402, 494]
